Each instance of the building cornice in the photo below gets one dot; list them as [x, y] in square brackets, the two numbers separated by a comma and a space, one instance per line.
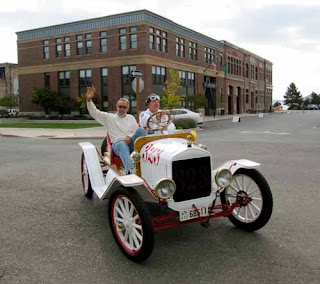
[134, 17]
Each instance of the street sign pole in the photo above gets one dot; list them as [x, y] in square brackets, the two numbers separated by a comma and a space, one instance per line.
[137, 98]
[137, 86]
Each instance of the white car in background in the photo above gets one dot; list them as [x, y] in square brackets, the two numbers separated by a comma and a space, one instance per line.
[186, 113]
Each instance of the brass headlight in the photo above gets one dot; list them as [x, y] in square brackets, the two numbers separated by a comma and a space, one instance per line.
[135, 157]
[165, 188]
[223, 177]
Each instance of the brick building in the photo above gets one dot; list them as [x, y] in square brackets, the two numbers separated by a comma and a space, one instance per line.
[8, 79]
[103, 52]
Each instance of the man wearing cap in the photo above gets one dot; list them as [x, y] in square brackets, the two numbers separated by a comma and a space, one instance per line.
[121, 127]
[153, 104]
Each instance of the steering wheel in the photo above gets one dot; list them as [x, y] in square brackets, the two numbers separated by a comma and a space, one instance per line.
[160, 118]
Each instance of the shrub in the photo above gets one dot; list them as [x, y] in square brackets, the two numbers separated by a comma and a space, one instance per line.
[4, 113]
[184, 123]
[251, 110]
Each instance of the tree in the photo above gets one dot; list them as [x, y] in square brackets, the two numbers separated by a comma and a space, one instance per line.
[63, 103]
[170, 99]
[315, 98]
[82, 102]
[277, 104]
[306, 102]
[293, 97]
[9, 101]
[45, 98]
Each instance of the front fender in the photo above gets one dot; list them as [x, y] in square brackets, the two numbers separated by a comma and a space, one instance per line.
[233, 166]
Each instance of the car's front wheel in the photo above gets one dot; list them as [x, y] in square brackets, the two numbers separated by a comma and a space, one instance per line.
[131, 224]
[251, 191]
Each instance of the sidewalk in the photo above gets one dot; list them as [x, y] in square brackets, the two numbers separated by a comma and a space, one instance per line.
[83, 133]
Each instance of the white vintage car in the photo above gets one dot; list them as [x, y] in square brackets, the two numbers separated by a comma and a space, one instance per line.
[176, 175]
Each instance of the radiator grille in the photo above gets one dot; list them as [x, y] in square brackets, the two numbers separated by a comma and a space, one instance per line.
[192, 178]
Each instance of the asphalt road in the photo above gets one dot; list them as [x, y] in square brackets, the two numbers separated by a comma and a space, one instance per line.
[50, 233]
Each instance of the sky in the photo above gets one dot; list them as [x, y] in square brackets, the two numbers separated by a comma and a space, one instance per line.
[285, 32]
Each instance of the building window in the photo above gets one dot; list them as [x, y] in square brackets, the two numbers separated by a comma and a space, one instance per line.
[158, 40]
[126, 73]
[85, 80]
[251, 71]
[88, 44]
[164, 42]
[193, 50]
[58, 47]
[104, 89]
[268, 74]
[67, 46]
[234, 66]
[180, 47]
[191, 81]
[177, 47]
[257, 97]
[151, 38]
[103, 41]
[158, 75]
[221, 95]
[209, 55]
[247, 70]
[256, 73]
[133, 38]
[123, 39]
[64, 82]
[46, 49]
[47, 80]
[182, 75]
[158, 43]
[79, 45]
[247, 95]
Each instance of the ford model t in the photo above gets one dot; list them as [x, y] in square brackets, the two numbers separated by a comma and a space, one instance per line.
[174, 173]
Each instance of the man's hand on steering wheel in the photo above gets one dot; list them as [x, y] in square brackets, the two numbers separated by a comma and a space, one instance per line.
[156, 118]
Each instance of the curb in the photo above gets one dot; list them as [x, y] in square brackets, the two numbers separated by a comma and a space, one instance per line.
[71, 135]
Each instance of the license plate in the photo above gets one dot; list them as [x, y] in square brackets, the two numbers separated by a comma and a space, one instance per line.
[192, 213]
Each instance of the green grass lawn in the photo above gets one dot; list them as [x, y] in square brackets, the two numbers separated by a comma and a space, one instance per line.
[49, 125]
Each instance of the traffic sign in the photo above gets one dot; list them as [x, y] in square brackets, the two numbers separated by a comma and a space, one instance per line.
[140, 86]
[136, 73]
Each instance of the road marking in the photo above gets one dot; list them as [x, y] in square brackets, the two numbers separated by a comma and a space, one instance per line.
[265, 132]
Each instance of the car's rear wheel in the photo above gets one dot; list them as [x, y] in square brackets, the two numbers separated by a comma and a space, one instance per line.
[131, 224]
[86, 184]
[250, 189]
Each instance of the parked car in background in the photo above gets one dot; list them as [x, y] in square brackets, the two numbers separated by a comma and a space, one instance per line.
[13, 111]
[312, 107]
[185, 113]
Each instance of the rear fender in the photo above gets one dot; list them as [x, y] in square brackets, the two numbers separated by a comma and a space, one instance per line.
[115, 181]
[104, 186]
[94, 168]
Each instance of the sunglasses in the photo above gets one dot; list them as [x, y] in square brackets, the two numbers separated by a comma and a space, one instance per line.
[153, 98]
[124, 107]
